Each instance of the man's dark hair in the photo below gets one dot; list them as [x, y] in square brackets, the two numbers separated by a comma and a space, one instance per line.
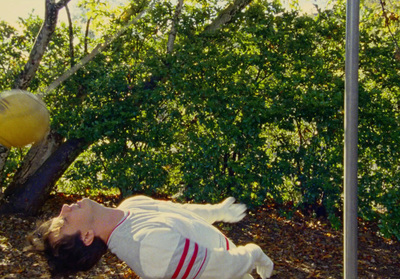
[69, 254]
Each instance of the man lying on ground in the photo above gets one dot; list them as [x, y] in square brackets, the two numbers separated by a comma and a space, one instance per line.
[157, 239]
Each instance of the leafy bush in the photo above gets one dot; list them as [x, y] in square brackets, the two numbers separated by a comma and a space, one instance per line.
[254, 110]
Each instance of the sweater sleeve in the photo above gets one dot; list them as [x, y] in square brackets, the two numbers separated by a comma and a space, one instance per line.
[238, 263]
[226, 211]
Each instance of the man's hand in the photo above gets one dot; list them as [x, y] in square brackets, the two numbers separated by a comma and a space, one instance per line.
[231, 212]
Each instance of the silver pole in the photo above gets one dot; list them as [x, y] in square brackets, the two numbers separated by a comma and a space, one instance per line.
[351, 140]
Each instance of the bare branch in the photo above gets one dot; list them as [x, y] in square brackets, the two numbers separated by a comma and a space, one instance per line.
[172, 34]
[87, 35]
[99, 48]
[71, 37]
[60, 4]
[227, 15]
[41, 43]
[387, 23]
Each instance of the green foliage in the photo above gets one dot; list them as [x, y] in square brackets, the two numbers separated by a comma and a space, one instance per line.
[10, 57]
[379, 124]
[254, 110]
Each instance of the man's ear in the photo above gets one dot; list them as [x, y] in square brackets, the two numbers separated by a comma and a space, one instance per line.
[88, 237]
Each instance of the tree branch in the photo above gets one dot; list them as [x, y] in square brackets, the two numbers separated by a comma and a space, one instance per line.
[172, 34]
[99, 48]
[227, 15]
[71, 37]
[41, 43]
[87, 36]
[387, 23]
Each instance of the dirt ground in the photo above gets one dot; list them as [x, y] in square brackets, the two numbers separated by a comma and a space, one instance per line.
[302, 247]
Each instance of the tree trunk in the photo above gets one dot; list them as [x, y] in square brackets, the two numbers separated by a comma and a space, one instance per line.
[29, 197]
[36, 156]
[35, 56]
[39, 153]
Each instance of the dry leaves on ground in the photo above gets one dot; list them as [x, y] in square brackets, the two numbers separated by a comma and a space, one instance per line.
[302, 247]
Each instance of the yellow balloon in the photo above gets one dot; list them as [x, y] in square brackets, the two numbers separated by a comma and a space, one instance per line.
[24, 118]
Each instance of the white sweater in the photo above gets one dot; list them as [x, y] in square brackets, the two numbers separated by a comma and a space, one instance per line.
[160, 239]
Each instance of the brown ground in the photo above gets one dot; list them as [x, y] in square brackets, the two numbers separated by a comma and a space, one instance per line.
[302, 247]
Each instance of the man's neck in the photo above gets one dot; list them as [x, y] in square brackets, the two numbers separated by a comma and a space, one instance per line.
[106, 220]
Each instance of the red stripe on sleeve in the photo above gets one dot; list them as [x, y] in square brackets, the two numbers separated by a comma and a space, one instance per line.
[182, 260]
[192, 260]
[201, 267]
[227, 243]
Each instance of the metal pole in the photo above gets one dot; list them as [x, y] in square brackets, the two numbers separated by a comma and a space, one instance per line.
[351, 140]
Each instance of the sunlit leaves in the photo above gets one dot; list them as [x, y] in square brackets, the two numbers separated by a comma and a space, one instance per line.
[253, 110]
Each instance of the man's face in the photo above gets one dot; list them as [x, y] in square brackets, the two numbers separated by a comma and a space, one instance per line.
[73, 218]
